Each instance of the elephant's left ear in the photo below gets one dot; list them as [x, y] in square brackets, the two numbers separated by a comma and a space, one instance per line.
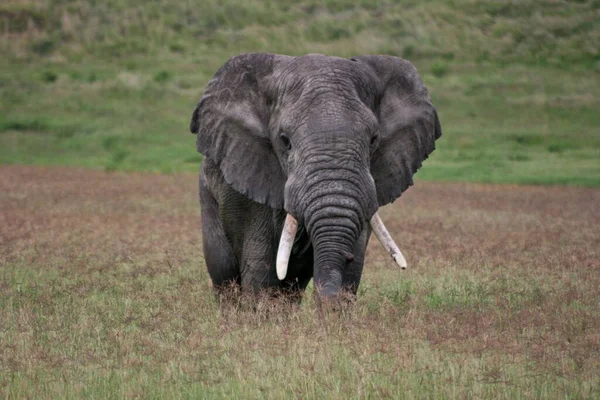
[232, 126]
[409, 124]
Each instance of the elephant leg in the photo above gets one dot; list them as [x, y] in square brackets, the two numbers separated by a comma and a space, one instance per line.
[258, 254]
[299, 276]
[218, 253]
[260, 249]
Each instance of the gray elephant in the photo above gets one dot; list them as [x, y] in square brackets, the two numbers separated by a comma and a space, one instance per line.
[299, 153]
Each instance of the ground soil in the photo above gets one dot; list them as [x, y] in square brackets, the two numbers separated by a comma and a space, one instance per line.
[45, 212]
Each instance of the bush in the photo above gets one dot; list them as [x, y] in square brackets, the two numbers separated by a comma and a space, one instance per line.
[439, 68]
[49, 76]
[162, 76]
[43, 47]
[176, 47]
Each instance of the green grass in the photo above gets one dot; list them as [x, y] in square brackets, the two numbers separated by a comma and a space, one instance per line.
[132, 333]
[113, 85]
[157, 332]
[105, 295]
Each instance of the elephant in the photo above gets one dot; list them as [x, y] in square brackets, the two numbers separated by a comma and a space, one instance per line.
[298, 155]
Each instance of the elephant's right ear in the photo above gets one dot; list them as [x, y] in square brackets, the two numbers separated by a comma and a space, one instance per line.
[231, 122]
[408, 122]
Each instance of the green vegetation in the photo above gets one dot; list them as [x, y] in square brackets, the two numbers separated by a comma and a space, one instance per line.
[134, 334]
[105, 295]
[113, 84]
[103, 291]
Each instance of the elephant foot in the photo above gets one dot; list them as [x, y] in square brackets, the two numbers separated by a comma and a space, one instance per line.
[267, 302]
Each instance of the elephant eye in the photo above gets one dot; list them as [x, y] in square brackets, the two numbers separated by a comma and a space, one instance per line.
[374, 138]
[286, 141]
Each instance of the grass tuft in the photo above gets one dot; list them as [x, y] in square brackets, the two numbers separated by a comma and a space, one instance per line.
[439, 68]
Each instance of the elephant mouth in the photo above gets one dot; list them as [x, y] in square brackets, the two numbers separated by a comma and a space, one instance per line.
[290, 228]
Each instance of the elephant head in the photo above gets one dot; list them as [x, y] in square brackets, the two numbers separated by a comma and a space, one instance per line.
[330, 140]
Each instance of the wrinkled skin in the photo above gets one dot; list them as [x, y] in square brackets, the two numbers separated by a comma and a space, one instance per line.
[325, 139]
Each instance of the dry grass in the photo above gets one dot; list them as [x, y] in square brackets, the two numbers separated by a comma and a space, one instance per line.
[104, 294]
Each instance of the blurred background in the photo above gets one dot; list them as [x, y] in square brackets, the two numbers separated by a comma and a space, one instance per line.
[112, 84]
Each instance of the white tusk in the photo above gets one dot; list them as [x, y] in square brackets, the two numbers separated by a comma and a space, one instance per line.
[386, 240]
[285, 245]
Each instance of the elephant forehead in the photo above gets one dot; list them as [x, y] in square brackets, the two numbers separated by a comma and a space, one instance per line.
[324, 74]
[312, 61]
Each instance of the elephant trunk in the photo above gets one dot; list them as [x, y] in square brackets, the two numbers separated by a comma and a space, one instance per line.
[336, 213]
[333, 242]
[332, 194]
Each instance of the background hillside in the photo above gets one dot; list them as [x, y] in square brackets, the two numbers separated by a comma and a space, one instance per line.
[112, 84]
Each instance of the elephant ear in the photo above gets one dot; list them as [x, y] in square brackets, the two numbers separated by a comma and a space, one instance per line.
[409, 125]
[231, 122]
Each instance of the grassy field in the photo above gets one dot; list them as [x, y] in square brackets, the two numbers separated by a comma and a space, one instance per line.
[105, 295]
[112, 85]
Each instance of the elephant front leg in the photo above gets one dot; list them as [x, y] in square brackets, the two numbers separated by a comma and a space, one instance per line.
[258, 274]
[300, 272]
[218, 253]
[257, 261]
[258, 270]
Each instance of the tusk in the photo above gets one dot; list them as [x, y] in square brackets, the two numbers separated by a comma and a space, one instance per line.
[285, 246]
[386, 240]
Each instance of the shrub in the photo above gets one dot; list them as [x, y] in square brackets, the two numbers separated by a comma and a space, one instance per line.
[49, 76]
[408, 52]
[43, 47]
[439, 68]
[162, 76]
